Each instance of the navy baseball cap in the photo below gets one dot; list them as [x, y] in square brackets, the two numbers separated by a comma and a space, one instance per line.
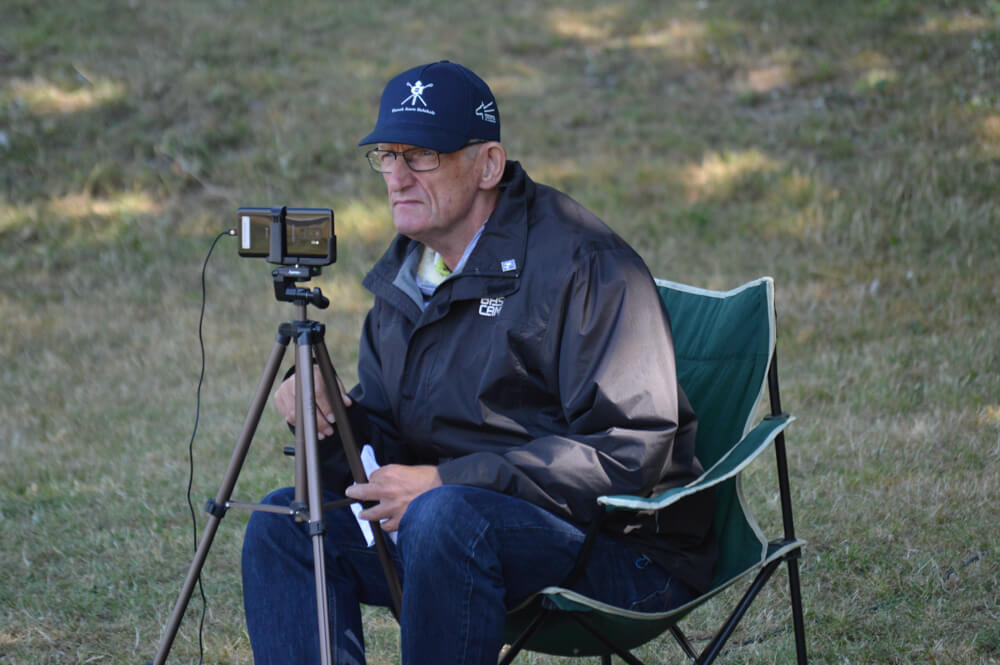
[441, 106]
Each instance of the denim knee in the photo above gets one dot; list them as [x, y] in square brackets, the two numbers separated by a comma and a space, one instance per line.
[263, 526]
[438, 517]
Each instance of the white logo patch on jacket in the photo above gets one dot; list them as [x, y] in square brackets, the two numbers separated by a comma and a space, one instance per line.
[490, 306]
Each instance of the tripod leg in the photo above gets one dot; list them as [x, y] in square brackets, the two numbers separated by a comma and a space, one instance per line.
[301, 483]
[307, 404]
[218, 508]
[329, 375]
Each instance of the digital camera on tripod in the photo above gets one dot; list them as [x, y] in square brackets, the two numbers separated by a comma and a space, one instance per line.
[300, 241]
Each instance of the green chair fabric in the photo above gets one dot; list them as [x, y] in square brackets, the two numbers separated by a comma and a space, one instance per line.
[724, 343]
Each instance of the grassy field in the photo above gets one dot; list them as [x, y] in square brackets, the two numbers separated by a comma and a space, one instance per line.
[851, 150]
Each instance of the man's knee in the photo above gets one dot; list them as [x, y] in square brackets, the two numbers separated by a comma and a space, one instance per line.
[263, 527]
[440, 518]
[282, 532]
[433, 507]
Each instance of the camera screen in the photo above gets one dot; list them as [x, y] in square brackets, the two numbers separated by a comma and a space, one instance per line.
[307, 231]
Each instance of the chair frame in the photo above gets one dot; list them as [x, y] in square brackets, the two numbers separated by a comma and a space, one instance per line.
[786, 550]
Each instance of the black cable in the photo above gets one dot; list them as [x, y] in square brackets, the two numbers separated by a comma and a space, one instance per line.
[194, 432]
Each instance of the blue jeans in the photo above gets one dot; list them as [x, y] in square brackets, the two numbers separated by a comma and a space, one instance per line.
[465, 556]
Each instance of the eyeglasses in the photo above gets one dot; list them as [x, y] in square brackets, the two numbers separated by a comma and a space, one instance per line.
[418, 159]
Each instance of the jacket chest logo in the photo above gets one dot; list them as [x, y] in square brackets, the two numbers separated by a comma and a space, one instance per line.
[490, 306]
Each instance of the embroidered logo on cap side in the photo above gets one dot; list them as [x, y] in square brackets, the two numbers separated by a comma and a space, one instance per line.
[486, 111]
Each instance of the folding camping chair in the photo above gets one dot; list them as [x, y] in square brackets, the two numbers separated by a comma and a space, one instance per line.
[724, 344]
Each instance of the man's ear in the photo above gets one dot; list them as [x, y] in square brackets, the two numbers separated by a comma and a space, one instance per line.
[494, 163]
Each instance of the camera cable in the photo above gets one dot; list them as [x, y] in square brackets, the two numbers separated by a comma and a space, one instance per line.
[194, 432]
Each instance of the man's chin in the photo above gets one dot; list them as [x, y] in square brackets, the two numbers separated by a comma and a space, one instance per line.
[409, 226]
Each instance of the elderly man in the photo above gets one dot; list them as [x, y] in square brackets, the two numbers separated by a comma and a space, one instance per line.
[516, 364]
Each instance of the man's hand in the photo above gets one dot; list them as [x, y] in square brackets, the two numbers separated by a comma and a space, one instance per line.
[284, 399]
[394, 486]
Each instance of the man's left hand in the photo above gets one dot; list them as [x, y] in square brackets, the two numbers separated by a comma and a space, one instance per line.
[394, 486]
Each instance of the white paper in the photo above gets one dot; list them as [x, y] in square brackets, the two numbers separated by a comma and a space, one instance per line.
[370, 465]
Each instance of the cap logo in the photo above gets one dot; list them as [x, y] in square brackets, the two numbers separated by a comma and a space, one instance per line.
[486, 112]
[416, 93]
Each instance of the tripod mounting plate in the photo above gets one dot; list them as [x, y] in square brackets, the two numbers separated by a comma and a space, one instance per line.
[286, 279]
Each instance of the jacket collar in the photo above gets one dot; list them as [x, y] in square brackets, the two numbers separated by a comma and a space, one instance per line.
[494, 267]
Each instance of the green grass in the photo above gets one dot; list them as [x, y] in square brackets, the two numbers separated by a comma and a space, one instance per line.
[851, 150]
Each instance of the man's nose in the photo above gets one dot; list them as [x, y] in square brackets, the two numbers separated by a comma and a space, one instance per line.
[401, 174]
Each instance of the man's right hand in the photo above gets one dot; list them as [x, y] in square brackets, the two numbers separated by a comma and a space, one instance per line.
[284, 399]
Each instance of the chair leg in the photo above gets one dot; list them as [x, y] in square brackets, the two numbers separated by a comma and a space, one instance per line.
[683, 643]
[714, 648]
[519, 643]
[795, 591]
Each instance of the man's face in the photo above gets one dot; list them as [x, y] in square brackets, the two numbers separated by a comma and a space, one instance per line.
[430, 205]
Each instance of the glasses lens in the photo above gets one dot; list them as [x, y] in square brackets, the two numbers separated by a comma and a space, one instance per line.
[421, 159]
[381, 160]
[418, 159]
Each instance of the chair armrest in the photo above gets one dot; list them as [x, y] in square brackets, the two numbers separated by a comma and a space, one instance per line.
[728, 466]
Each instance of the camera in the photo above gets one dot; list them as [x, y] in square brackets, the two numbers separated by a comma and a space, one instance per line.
[288, 236]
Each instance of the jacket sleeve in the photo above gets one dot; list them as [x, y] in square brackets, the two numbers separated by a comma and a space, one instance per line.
[612, 360]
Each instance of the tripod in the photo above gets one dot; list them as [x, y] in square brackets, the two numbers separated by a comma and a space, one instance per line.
[308, 506]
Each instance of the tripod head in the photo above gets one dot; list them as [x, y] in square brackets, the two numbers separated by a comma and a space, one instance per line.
[286, 279]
